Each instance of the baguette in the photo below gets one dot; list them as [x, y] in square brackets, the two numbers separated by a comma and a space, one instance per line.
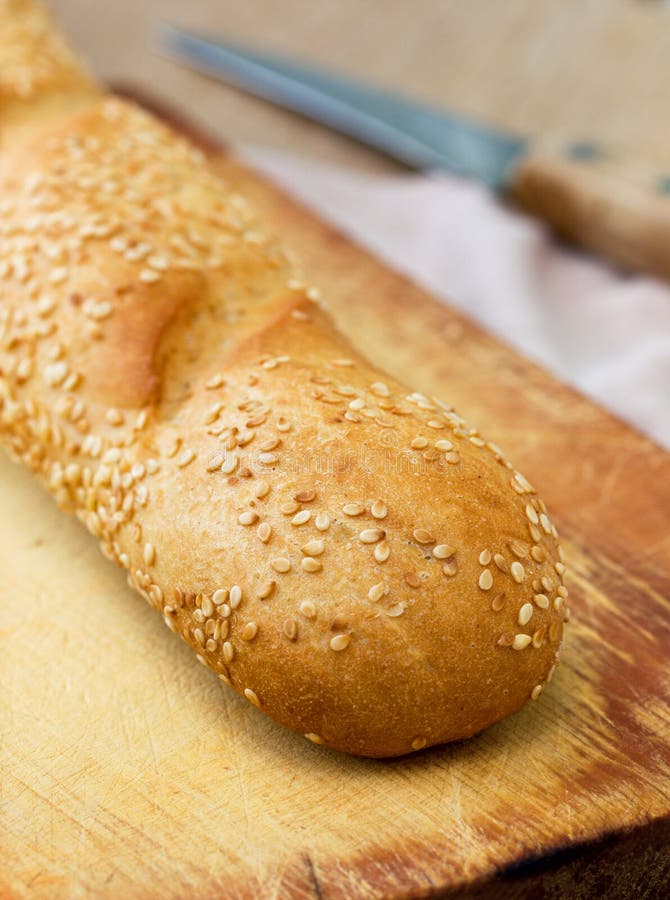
[349, 555]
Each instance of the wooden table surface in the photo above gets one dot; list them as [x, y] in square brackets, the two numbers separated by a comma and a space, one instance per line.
[579, 68]
[101, 801]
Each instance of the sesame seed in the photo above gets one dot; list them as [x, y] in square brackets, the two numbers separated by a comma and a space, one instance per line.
[450, 568]
[149, 554]
[484, 557]
[228, 652]
[377, 591]
[452, 458]
[535, 693]
[395, 611]
[516, 485]
[216, 381]
[525, 613]
[545, 523]
[537, 553]
[313, 547]
[550, 673]
[500, 562]
[212, 413]
[268, 459]
[288, 509]
[249, 631]
[444, 445]
[380, 389]
[199, 636]
[353, 509]
[435, 423]
[322, 522]
[340, 642]
[55, 373]
[266, 589]
[252, 697]
[281, 564]
[305, 496]
[541, 600]
[371, 535]
[248, 517]
[547, 583]
[308, 609]
[283, 424]
[309, 564]
[186, 456]
[302, 517]
[290, 629]
[419, 743]
[314, 738]
[486, 580]
[423, 536]
[498, 602]
[558, 603]
[378, 510]
[521, 641]
[419, 442]
[219, 596]
[235, 596]
[538, 636]
[443, 551]
[207, 606]
[517, 571]
[562, 591]
[264, 532]
[518, 549]
[560, 568]
[229, 464]
[505, 640]
[149, 276]
[262, 489]
[412, 579]
[532, 514]
[535, 532]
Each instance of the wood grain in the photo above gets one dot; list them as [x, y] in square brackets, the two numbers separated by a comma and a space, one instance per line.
[128, 770]
[612, 206]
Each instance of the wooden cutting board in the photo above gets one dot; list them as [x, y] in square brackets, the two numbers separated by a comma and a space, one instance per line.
[128, 770]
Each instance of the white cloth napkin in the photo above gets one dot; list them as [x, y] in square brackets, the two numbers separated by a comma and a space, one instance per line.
[603, 332]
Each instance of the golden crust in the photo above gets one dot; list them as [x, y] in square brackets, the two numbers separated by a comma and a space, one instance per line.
[40, 78]
[350, 556]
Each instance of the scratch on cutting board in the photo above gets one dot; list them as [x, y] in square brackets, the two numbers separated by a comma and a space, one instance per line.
[241, 783]
[312, 876]
[612, 477]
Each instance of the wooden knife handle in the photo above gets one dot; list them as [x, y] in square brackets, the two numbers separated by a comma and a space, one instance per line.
[602, 202]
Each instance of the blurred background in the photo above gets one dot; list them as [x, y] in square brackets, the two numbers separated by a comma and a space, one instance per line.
[595, 68]
[566, 70]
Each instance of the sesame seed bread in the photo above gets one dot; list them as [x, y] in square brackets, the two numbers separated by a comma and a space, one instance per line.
[347, 554]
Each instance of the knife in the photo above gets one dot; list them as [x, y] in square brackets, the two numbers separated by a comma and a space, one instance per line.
[599, 198]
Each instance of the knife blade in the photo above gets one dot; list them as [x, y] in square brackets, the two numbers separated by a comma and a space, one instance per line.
[413, 133]
[590, 194]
